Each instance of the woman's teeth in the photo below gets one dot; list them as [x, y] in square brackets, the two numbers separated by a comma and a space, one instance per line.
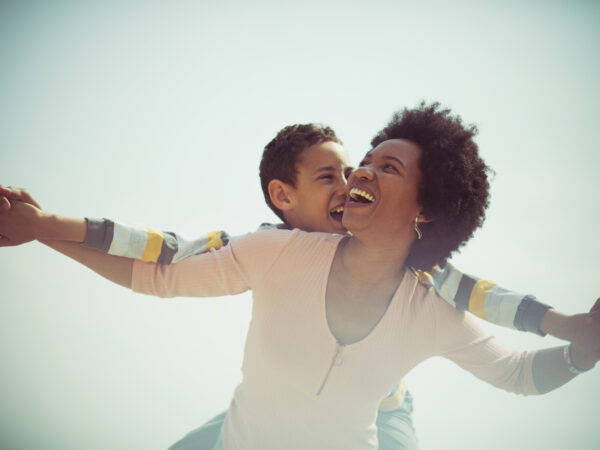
[361, 196]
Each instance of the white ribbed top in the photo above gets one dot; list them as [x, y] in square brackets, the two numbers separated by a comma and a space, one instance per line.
[290, 353]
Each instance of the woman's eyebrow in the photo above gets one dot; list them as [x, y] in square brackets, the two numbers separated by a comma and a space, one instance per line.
[395, 159]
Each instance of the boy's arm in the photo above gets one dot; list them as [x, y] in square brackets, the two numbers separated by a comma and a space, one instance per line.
[486, 299]
[147, 244]
[24, 222]
[117, 243]
[510, 309]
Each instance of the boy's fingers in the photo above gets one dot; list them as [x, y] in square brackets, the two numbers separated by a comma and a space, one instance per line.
[7, 190]
[12, 193]
[20, 194]
[4, 203]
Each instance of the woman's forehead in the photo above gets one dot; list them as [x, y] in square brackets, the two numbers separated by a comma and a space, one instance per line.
[404, 149]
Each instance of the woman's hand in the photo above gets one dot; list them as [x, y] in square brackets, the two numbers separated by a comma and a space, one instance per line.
[22, 222]
[585, 349]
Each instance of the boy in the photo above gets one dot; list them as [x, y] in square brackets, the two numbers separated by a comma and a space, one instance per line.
[303, 173]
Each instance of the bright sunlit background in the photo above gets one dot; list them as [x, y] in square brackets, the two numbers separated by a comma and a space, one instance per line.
[157, 112]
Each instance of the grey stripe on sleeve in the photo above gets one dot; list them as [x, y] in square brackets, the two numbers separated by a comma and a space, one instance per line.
[99, 234]
[224, 238]
[529, 315]
[168, 249]
[550, 369]
[463, 294]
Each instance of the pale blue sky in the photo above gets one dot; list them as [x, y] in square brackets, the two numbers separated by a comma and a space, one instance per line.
[157, 113]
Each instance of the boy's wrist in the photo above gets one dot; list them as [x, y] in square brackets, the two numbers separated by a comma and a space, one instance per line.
[557, 324]
[55, 227]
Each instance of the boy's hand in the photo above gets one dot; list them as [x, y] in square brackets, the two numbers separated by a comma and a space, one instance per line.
[580, 329]
[9, 194]
[19, 224]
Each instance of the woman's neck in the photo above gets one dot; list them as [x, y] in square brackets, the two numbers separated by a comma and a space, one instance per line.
[373, 261]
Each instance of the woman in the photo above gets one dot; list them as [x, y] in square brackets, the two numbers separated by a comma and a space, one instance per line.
[334, 314]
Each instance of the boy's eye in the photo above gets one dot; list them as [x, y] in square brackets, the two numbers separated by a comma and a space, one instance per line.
[326, 177]
[389, 166]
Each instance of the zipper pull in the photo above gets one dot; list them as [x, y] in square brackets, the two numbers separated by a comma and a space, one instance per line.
[338, 356]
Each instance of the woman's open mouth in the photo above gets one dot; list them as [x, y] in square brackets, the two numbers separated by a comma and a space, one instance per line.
[357, 195]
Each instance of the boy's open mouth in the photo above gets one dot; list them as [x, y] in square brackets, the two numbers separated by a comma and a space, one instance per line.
[337, 213]
[360, 196]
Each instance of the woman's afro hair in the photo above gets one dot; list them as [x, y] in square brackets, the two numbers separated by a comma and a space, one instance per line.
[454, 189]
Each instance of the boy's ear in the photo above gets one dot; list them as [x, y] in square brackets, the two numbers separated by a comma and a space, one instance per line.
[281, 194]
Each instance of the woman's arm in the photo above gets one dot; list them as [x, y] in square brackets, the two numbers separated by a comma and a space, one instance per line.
[114, 268]
[460, 339]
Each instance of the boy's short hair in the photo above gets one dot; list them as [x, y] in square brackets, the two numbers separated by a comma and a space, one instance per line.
[281, 154]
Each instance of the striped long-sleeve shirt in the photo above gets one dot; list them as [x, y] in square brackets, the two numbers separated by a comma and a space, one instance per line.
[482, 297]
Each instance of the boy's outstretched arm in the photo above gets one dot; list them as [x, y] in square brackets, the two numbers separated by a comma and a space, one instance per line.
[23, 222]
[510, 309]
[144, 243]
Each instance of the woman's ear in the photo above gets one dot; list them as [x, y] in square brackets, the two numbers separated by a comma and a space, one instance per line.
[281, 194]
[423, 219]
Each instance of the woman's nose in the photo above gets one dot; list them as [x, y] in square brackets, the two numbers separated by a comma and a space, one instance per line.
[363, 173]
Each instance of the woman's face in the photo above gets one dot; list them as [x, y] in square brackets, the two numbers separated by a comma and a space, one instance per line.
[383, 190]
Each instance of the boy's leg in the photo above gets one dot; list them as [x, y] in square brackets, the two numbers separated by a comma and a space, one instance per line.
[395, 428]
[202, 438]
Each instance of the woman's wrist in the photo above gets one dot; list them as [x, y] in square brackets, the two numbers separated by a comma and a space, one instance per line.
[578, 361]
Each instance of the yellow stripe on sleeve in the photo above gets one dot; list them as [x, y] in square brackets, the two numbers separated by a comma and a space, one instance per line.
[214, 240]
[153, 245]
[424, 277]
[393, 401]
[478, 294]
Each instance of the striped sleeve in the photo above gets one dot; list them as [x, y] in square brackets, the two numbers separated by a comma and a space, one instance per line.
[146, 243]
[486, 299]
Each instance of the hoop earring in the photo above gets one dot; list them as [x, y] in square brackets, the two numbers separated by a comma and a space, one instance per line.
[419, 234]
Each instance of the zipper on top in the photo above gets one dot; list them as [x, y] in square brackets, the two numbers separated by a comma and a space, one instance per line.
[336, 360]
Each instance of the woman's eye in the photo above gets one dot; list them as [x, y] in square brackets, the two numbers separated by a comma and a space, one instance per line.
[390, 166]
[326, 177]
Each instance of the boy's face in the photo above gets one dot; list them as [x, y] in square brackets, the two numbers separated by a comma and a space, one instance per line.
[320, 191]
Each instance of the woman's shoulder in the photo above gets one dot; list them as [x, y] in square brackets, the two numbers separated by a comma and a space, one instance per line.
[428, 295]
[273, 239]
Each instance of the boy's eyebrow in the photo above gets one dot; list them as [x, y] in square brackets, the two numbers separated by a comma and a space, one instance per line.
[324, 169]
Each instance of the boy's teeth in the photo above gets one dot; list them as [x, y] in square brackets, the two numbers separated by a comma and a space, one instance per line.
[355, 193]
[339, 209]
